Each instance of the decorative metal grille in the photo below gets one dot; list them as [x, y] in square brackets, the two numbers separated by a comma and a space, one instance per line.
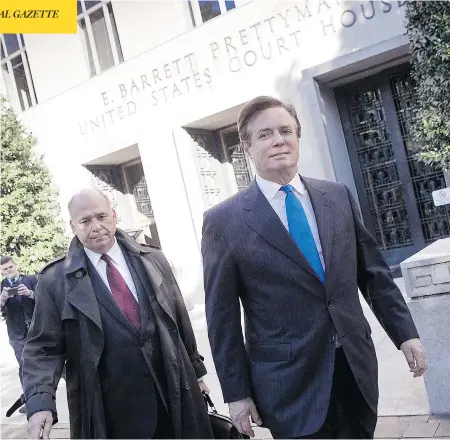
[238, 159]
[208, 174]
[144, 205]
[435, 220]
[240, 167]
[106, 180]
[378, 166]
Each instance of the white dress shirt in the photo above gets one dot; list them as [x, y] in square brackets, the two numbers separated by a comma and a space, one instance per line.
[277, 199]
[119, 262]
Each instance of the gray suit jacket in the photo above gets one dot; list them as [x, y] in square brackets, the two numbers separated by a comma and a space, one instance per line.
[291, 319]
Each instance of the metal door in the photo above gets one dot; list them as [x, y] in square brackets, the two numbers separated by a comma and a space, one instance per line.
[394, 188]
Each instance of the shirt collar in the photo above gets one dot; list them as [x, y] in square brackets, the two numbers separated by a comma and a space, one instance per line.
[114, 253]
[270, 189]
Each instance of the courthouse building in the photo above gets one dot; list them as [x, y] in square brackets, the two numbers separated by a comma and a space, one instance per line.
[143, 102]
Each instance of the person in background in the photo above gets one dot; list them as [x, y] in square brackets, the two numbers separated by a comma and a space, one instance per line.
[295, 251]
[17, 306]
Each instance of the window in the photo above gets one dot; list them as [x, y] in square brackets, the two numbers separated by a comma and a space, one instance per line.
[16, 71]
[204, 10]
[100, 36]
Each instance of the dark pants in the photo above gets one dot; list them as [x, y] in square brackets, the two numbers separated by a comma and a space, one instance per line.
[18, 346]
[349, 415]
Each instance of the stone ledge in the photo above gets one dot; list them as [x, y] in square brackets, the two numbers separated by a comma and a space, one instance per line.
[427, 272]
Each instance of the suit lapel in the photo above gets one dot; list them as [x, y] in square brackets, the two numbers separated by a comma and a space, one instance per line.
[80, 292]
[143, 290]
[158, 285]
[153, 272]
[323, 211]
[260, 216]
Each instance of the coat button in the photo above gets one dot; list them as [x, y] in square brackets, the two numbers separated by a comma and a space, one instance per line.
[187, 386]
[332, 339]
[330, 303]
[79, 274]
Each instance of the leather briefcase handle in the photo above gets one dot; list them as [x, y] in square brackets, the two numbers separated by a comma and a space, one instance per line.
[209, 403]
[16, 405]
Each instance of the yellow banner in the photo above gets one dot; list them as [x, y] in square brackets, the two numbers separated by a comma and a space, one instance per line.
[38, 16]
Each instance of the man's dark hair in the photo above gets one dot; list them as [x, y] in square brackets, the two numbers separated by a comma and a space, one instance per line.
[6, 259]
[256, 105]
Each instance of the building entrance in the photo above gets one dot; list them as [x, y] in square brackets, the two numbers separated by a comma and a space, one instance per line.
[394, 188]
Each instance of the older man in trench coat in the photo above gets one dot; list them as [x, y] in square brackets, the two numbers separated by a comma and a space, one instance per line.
[122, 382]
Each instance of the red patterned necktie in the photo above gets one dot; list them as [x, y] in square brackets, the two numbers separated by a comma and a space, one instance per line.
[122, 294]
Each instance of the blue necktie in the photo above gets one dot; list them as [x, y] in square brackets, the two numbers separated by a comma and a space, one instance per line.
[301, 232]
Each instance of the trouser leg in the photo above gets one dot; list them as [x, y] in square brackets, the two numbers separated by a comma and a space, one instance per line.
[18, 346]
[349, 416]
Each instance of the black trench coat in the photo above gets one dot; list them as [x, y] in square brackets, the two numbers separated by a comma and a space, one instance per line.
[67, 327]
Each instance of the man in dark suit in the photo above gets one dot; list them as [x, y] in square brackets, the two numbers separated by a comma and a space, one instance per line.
[113, 311]
[294, 251]
[17, 305]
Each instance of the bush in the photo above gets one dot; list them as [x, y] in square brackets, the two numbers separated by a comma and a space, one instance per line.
[32, 232]
[428, 29]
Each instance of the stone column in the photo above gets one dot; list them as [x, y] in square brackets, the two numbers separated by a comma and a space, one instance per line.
[447, 177]
[172, 211]
[427, 282]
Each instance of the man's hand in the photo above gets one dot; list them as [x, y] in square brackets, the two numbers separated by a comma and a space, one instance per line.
[203, 387]
[4, 295]
[41, 421]
[240, 412]
[415, 355]
[23, 290]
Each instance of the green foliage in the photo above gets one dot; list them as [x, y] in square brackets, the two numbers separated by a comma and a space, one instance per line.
[31, 230]
[428, 28]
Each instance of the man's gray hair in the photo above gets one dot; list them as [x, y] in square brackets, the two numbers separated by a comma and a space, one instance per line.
[95, 191]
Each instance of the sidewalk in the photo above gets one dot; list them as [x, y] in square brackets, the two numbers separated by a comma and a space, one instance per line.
[414, 427]
[403, 405]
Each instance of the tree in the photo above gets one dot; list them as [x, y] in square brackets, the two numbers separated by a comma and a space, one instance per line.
[428, 29]
[32, 232]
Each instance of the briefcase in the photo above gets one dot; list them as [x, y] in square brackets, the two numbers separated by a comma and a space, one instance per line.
[222, 426]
